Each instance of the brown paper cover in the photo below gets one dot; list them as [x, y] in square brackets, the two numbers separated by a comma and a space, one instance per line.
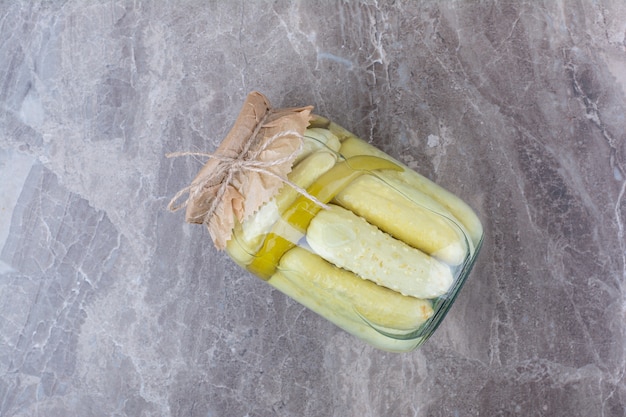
[248, 168]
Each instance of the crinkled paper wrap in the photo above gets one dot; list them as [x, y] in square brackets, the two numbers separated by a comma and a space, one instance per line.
[248, 168]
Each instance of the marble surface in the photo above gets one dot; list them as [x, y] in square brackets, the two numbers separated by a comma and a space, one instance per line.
[112, 306]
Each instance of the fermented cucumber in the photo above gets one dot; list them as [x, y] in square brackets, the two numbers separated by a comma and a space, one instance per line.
[350, 242]
[316, 139]
[248, 236]
[296, 218]
[318, 121]
[378, 305]
[459, 209]
[318, 301]
[406, 216]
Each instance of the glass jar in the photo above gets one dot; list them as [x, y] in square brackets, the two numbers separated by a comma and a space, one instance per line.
[360, 239]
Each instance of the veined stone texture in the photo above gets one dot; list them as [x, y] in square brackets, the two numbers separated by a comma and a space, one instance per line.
[112, 306]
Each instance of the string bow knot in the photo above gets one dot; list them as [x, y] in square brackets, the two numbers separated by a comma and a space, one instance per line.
[248, 168]
[226, 170]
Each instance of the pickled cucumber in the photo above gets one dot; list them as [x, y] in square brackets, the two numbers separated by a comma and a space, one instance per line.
[316, 139]
[286, 234]
[248, 236]
[349, 242]
[319, 301]
[378, 305]
[406, 217]
[336, 295]
[459, 209]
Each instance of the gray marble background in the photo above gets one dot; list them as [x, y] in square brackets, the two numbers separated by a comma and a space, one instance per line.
[112, 306]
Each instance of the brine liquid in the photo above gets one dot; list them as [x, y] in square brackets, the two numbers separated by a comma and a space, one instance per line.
[383, 261]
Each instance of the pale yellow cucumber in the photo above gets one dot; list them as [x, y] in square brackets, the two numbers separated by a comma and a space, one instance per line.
[321, 122]
[414, 194]
[248, 236]
[341, 133]
[316, 139]
[459, 209]
[350, 242]
[317, 293]
[405, 215]
[318, 302]
[347, 292]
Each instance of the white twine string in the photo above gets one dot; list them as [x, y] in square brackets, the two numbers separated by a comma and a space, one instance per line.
[226, 169]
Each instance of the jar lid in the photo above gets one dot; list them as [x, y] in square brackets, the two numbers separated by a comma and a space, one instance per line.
[247, 169]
